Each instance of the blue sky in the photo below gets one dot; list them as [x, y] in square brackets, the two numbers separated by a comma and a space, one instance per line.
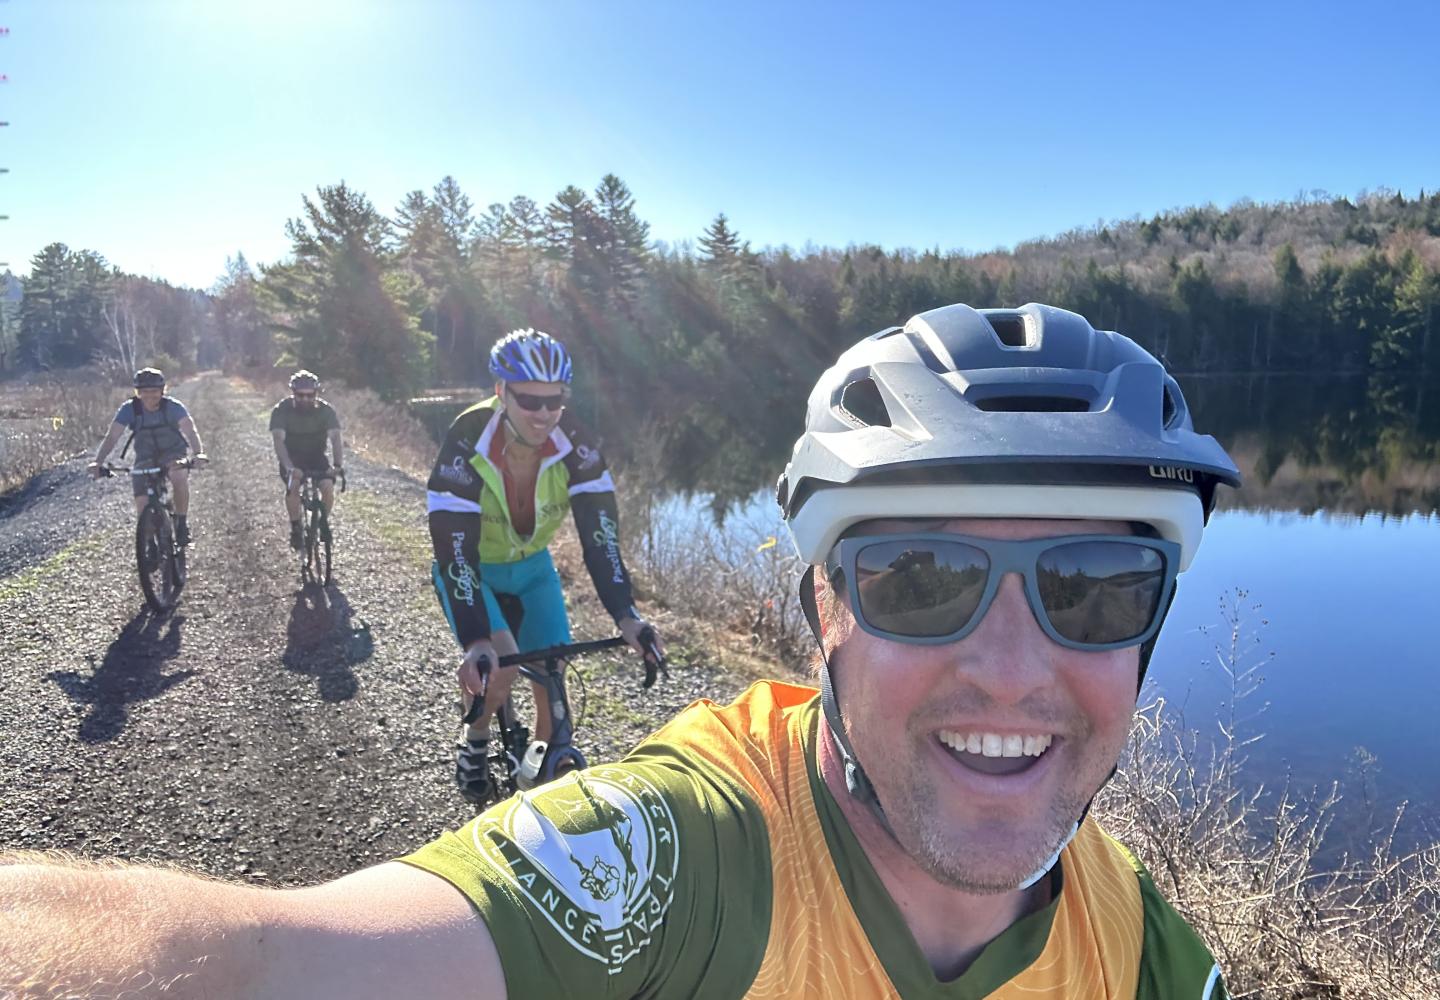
[168, 134]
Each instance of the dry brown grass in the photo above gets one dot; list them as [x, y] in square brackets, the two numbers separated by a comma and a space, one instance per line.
[46, 420]
[1248, 867]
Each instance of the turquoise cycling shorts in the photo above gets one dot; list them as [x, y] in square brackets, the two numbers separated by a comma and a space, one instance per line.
[536, 583]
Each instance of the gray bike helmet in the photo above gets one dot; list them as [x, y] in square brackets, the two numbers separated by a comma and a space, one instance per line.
[1024, 412]
[149, 378]
[1017, 413]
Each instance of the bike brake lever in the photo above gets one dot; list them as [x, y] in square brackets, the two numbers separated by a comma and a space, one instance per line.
[478, 702]
[654, 662]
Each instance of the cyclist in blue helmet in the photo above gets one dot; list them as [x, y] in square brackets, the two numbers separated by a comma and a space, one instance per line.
[509, 470]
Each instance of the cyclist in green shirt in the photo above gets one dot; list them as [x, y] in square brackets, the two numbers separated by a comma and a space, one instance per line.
[995, 506]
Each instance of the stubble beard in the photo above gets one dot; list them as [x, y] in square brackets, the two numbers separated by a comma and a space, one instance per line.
[912, 805]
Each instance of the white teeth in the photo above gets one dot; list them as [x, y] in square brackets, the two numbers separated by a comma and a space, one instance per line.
[997, 745]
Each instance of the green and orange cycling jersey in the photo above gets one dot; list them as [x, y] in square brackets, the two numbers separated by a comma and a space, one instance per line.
[713, 862]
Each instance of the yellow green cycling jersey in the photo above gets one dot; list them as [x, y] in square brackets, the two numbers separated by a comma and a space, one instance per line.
[469, 513]
[713, 862]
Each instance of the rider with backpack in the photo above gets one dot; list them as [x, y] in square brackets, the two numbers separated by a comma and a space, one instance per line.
[163, 433]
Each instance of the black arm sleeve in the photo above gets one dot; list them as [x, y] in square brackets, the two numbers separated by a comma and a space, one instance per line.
[456, 577]
[454, 491]
[597, 522]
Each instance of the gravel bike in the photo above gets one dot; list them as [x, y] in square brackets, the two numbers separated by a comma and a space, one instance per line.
[317, 543]
[159, 558]
[515, 762]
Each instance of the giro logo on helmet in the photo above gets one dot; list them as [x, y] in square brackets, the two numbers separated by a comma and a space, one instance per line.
[1170, 472]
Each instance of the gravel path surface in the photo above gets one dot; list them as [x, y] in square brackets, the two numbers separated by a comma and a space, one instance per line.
[259, 731]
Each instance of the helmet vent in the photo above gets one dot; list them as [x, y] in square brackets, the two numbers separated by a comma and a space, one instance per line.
[861, 400]
[1032, 404]
[1169, 410]
[1010, 329]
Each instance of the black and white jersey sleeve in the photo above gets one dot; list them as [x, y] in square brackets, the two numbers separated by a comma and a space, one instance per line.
[453, 501]
[597, 519]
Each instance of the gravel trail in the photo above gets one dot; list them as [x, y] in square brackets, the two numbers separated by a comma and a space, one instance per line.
[260, 730]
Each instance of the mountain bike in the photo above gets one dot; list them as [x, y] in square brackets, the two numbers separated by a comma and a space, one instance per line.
[317, 544]
[160, 560]
[516, 763]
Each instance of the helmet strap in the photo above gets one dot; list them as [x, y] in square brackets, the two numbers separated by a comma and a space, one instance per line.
[513, 435]
[856, 781]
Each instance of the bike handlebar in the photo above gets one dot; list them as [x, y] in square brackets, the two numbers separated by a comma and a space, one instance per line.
[654, 662]
[109, 470]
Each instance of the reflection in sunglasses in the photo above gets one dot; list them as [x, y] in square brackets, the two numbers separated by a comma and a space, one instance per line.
[1093, 592]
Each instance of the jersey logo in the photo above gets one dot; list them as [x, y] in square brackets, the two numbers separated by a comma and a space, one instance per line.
[458, 471]
[595, 855]
[589, 457]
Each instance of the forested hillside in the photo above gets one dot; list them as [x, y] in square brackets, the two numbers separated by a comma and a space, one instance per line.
[705, 350]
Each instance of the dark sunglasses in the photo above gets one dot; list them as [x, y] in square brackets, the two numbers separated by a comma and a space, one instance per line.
[304, 395]
[1090, 592]
[527, 401]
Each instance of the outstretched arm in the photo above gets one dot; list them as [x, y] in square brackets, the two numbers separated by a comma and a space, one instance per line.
[108, 444]
[192, 436]
[82, 929]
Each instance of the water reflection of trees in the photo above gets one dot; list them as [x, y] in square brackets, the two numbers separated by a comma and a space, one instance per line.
[1351, 445]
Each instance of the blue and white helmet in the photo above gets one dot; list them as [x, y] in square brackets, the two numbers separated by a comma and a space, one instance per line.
[530, 356]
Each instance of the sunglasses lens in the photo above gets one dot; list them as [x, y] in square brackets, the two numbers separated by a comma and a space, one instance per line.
[920, 589]
[1100, 592]
[532, 403]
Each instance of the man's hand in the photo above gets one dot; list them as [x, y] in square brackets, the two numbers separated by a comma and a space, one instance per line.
[631, 628]
[473, 680]
[293, 479]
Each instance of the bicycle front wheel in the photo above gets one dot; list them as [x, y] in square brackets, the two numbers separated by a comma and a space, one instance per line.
[315, 559]
[154, 556]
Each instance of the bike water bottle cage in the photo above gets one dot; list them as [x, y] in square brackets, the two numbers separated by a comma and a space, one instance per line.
[1087, 592]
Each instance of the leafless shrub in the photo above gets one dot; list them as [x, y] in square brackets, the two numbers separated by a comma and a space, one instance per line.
[50, 419]
[1247, 866]
[733, 578]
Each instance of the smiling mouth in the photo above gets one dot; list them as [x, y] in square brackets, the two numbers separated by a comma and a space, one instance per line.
[996, 753]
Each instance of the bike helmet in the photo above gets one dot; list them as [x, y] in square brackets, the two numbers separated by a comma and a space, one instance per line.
[304, 379]
[149, 378]
[1025, 412]
[1013, 413]
[530, 356]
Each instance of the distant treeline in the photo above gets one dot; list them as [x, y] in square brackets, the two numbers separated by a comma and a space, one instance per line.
[704, 352]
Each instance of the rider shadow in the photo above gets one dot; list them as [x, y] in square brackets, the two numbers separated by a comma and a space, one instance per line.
[131, 671]
[322, 641]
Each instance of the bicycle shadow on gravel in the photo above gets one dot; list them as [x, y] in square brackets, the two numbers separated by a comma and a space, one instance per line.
[131, 670]
[323, 641]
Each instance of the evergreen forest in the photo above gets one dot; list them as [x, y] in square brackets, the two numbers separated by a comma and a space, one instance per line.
[703, 352]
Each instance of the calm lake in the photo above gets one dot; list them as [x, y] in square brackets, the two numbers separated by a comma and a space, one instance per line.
[1330, 555]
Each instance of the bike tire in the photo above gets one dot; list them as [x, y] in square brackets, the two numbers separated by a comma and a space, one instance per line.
[326, 545]
[154, 552]
[307, 550]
